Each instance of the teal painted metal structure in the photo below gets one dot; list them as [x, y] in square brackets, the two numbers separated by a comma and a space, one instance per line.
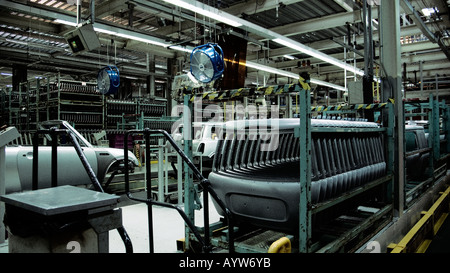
[304, 132]
[306, 209]
[437, 114]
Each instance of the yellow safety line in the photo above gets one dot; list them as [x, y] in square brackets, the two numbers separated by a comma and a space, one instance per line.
[401, 246]
[423, 246]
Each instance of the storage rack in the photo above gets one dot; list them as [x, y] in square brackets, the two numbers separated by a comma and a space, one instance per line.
[306, 211]
[46, 98]
[437, 124]
[33, 108]
[77, 102]
[4, 105]
[13, 103]
[116, 110]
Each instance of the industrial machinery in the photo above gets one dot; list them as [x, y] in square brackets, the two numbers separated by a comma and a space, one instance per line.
[294, 178]
[82, 39]
[62, 218]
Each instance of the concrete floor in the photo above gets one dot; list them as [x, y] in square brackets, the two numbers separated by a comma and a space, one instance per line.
[168, 227]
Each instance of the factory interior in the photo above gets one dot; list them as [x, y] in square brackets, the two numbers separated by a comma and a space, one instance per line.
[225, 126]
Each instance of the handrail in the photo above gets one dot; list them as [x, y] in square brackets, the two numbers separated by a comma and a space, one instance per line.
[205, 184]
[92, 176]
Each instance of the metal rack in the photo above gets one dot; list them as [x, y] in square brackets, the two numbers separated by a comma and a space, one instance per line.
[304, 242]
[435, 117]
[46, 98]
[116, 110]
[76, 102]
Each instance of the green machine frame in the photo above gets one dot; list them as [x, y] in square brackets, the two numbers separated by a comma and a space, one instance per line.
[304, 132]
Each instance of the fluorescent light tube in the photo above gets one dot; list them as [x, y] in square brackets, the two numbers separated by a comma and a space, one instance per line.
[64, 22]
[206, 10]
[182, 48]
[331, 85]
[292, 75]
[317, 54]
[271, 70]
[101, 29]
[132, 37]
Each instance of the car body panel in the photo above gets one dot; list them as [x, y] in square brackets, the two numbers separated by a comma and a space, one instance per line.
[205, 139]
[417, 163]
[19, 163]
[261, 187]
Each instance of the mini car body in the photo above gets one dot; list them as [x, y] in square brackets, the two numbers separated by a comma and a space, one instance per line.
[19, 161]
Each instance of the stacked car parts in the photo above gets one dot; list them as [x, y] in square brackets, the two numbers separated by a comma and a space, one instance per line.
[257, 173]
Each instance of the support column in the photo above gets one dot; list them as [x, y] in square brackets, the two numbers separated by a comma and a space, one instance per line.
[305, 172]
[19, 75]
[368, 60]
[171, 72]
[392, 88]
[151, 76]
[189, 191]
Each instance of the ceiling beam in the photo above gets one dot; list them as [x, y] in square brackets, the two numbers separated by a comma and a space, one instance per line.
[112, 30]
[329, 44]
[253, 6]
[110, 7]
[409, 9]
[325, 22]
[344, 5]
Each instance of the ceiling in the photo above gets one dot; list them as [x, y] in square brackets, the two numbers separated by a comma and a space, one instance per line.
[31, 36]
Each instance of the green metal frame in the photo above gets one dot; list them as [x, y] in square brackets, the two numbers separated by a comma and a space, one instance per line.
[304, 132]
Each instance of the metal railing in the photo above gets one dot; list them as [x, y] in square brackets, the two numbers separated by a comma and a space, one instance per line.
[204, 183]
[54, 132]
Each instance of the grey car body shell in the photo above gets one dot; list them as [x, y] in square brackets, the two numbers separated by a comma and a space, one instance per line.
[19, 163]
[264, 190]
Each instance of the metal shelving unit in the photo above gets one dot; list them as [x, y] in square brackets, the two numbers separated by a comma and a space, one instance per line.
[140, 108]
[77, 102]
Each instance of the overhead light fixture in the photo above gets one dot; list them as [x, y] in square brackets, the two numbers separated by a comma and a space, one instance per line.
[271, 69]
[65, 22]
[331, 85]
[317, 54]
[206, 10]
[186, 49]
[131, 37]
[292, 75]
[289, 57]
[427, 11]
[104, 29]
